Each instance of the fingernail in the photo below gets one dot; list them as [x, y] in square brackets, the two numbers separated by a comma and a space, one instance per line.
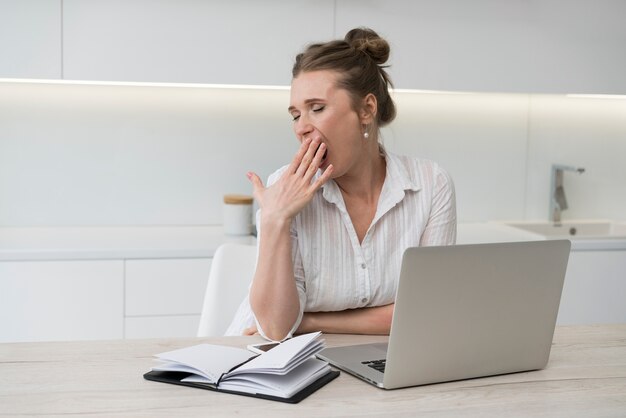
[249, 175]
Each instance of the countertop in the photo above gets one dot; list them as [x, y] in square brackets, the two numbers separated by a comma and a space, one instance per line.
[102, 243]
[128, 242]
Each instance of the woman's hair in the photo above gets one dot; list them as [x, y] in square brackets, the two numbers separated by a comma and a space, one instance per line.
[359, 59]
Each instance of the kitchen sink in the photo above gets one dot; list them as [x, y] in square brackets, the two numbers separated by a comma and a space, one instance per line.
[582, 229]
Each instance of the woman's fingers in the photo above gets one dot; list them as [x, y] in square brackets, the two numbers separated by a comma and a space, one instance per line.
[316, 162]
[257, 184]
[250, 331]
[324, 177]
[295, 187]
[297, 159]
[309, 157]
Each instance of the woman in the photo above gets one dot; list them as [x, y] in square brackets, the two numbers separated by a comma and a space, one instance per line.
[333, 225]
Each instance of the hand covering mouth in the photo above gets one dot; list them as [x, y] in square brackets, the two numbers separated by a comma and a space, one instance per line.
[325, 152]
[324, 156]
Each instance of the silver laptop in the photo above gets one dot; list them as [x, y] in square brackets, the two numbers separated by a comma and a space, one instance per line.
[465, 311]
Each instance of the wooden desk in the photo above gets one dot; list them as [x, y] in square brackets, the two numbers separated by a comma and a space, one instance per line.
[586, 377]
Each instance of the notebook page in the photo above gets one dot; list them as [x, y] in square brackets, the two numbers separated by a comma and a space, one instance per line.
[283, 386]
[207, 360]
[285, 355]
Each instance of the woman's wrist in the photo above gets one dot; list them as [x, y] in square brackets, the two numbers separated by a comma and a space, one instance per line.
[274, 221]
[307, 324]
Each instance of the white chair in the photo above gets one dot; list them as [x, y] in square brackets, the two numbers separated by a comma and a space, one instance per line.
[231, 273]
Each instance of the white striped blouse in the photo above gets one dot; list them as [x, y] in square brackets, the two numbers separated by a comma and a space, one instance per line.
[333, 271]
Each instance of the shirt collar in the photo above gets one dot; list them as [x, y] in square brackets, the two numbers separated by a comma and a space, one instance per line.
[398, 174]
[397, 181]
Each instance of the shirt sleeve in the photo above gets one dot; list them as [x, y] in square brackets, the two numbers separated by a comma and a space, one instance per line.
[441, 226]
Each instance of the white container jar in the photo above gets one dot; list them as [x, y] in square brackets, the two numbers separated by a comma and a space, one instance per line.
[237, 214]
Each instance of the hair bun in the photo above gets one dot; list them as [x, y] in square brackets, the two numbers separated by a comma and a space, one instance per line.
[368, 41]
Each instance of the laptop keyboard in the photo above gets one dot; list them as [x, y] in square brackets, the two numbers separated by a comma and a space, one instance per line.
[376, 364]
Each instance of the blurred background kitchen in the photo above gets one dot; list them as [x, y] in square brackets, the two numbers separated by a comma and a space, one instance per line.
[123, 123]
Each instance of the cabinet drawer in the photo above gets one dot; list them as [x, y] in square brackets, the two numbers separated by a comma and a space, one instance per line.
[61, 300]
[166, 287]
[594, 289]
[162, 326]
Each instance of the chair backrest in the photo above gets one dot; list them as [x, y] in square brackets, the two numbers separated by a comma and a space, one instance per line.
[231, 273]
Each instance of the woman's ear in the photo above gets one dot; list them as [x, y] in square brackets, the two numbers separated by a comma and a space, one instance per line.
[369, 109]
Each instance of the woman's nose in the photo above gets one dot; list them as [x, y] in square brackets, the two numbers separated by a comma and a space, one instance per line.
[302, 128]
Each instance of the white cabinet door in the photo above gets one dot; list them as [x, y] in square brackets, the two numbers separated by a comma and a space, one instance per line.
[164, 297]
[166, 287]
[239, 42]
[172, 326]
[595, 288]
[30, 39]
[559, 46]
[61, 300]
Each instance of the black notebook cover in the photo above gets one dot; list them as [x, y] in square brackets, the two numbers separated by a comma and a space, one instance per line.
[176, 377]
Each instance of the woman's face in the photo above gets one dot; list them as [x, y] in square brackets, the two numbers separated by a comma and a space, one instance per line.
[321, 110]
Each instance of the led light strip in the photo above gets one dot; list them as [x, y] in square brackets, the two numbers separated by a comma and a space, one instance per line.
[250, 87]
[186, 85]
[597, 96]
[139, 84]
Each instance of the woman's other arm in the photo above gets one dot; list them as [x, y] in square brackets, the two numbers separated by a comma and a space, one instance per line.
[373, 321]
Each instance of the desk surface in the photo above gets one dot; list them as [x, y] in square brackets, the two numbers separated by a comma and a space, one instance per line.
[586, 377]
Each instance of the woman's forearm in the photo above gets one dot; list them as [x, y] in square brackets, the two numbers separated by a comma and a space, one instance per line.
[374, 321]
[273, 294]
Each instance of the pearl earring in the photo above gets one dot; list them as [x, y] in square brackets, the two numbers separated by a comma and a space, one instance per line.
[366, 134]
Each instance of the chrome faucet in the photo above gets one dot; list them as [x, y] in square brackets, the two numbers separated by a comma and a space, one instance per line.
[558, 203]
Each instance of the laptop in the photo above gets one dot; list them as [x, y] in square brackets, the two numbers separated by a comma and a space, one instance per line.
[465, 311]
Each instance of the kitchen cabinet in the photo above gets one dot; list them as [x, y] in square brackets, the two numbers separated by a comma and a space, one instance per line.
[82, 283]
[559, 46]
[150, 282]
[594, 289]
[61, 300]
[166, 326]
[30, 39]
[101, 299]
[243, 42]
[164, 298]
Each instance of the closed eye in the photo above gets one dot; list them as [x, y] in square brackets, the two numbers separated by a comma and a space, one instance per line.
[318, 108]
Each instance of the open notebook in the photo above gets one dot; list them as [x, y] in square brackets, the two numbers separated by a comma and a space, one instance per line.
[289, 372]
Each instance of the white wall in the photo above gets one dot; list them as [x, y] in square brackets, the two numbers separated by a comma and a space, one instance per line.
[480, 138]
[101, 155]
[119, 155]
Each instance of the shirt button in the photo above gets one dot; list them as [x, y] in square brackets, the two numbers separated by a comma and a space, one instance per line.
[363, 265]
[364, 300]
